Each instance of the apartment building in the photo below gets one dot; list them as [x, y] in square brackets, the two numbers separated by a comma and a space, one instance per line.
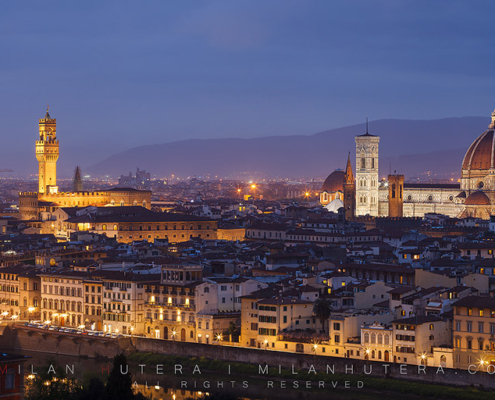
[474, 333]
[62, 297]
[170, 303]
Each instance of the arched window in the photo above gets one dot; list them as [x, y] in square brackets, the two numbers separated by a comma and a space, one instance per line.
[114, 227]
[104, 227]
[373, 339]
[207, 290]
[366, 337]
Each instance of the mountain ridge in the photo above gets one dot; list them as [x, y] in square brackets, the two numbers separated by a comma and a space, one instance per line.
[404, 142]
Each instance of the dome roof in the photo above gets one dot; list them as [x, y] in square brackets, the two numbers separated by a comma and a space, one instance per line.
[335, 205]
[480, 154]
[477, 199]
[334, 182]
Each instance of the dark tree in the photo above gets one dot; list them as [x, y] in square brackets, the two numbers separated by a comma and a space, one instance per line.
[119, 385]
[78, 186]
[47, 385]
[322, 308]
[232, 331]
[93, 390]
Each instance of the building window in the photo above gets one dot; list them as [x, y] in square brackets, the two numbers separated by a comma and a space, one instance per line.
[10, 379]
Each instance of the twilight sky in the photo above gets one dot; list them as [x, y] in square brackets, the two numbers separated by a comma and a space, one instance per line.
[123, 73]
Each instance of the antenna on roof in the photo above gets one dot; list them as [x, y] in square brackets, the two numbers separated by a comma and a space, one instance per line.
[366, 124]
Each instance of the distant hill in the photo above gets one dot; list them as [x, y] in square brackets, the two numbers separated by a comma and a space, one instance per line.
[409, 147]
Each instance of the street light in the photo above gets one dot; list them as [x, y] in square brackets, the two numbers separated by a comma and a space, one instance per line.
[266, 344]
[30, 311]
[174, 333]
[219, 339]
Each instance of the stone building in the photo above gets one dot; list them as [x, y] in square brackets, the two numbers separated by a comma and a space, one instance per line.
[128, 224]
[473, 333]
[473, 197]
[41, 204]
[170, 304]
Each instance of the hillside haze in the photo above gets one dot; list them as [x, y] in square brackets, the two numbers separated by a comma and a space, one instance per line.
[408, 147]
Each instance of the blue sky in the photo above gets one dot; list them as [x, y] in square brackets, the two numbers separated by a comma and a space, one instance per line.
[122, 73]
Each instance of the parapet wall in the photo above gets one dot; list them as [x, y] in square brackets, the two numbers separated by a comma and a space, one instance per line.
[20, 338]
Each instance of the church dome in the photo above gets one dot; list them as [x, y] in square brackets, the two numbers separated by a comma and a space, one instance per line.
[477, 199]
[481, 154]
[334, 182]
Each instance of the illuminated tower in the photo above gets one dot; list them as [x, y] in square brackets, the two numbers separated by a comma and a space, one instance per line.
[395, 195]
[47, 155]
[367, 174]
[349, 191]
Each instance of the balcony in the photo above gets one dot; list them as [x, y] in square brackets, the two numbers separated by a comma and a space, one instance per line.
[171, 306]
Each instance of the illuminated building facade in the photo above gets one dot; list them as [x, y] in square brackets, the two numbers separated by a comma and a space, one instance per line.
[473, 197]
[41, 204]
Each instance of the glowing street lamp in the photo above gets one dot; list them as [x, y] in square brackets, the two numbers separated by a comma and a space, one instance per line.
[219, 339]
[266, 344]
[174, 334]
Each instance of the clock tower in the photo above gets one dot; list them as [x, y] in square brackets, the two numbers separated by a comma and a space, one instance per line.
[47, 155]
[367, 174]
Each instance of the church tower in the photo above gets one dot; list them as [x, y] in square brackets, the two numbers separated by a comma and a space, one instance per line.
[367, 174]
[349, 191]
[395, 195]
[47, 155]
